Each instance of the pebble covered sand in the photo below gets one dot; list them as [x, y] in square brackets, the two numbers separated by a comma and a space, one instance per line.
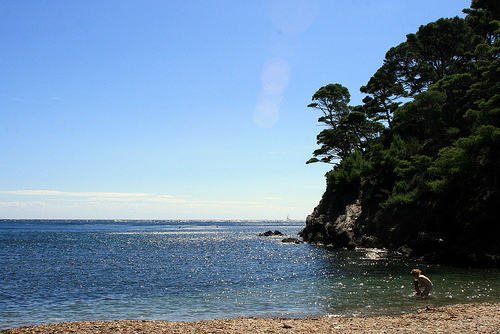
[464, 318]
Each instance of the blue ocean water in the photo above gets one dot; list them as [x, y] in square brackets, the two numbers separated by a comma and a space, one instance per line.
[77, 270]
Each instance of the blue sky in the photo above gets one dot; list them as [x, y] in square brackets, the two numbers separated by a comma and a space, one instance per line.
[180, 109]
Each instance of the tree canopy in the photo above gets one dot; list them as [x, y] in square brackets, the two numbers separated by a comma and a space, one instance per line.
[429, 127]
[348, 129]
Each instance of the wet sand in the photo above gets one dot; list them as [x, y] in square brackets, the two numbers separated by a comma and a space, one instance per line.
[464, 318]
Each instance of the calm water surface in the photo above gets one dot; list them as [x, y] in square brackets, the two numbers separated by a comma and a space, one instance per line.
[52, 271]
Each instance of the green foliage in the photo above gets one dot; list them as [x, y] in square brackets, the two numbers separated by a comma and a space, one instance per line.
[429, 129]
[485, 91]
[411, 175]
[441, 48]
[484, 17]
[333, 101]
[348, 172]
[400, 198]
[451, 165]
[422, 118]
[347, 129]
[385, 91]
[334, 144]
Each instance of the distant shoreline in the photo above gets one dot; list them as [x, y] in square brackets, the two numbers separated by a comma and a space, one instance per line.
[460, 318]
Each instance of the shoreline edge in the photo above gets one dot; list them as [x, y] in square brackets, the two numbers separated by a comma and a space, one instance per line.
[480, 317]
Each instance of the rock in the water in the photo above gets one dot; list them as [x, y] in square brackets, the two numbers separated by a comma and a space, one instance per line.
[292, 241]
[271, 234]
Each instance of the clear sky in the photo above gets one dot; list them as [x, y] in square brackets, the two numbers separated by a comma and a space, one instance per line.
[183, 109]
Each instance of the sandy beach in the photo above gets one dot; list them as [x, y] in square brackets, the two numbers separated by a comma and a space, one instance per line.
[464, 318]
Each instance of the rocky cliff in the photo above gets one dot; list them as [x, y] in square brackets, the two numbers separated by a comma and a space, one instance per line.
[354, 218]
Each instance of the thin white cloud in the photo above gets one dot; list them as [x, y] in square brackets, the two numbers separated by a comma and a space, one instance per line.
[68, 196]
[20, 204]
[62, 196]
[226, 202]
[71, 194]
[53, 204]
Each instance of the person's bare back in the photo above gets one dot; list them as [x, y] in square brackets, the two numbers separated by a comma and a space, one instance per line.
[421, 281]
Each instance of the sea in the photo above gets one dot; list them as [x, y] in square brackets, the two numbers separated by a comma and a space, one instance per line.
[181, 270]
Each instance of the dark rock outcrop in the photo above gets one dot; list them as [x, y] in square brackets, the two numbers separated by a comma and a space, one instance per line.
[292, 241]
[355, 218]
[271, 234]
